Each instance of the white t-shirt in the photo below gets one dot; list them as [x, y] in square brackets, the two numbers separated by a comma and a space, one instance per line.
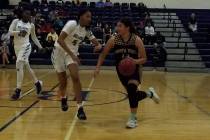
[19, 25]
[76, 34]
[149, 30]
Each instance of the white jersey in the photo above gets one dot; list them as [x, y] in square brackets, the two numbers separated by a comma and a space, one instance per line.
[19, 25]
[76, 34]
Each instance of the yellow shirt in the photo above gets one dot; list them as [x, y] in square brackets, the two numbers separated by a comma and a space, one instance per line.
[54, 36]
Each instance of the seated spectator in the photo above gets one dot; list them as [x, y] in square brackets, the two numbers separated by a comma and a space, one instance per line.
[193, 23]
[49, 45]
[108, 3]
[5, 40]
[76, 2]
[52, 34]
[100, 4]
[107, 31]
[58, 24]
[159, 39]
[149, 34]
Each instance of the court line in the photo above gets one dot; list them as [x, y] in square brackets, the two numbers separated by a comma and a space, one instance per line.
[18, 116]
[72, 126]
[25, 110]
[186, 99]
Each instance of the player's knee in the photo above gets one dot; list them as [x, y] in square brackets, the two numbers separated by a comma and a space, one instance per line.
[132, 95]
[75, 79]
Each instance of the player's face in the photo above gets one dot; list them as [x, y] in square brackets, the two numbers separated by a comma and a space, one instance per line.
[86, 19]
[122, 29]
[26, 16]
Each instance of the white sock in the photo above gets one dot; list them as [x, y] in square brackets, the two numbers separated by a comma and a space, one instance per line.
[19, 68]
[149, 94]
[79, 105]
[31, 72]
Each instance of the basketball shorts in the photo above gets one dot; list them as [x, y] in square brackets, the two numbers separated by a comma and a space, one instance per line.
[61, 60]
[136, 76]
[23, 52]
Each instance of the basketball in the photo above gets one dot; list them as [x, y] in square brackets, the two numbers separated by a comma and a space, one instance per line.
[127, 67]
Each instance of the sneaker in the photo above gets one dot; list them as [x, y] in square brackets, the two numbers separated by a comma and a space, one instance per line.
[16, 94]
[154, 95]
[64, 104]
[81, 114]
[132, 123]
[38, 87]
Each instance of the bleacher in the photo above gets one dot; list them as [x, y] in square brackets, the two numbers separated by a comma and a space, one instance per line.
[184, 49]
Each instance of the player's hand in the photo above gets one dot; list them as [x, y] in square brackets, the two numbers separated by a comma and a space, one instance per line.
[97, 48]
[96, 72]
[136, 61]
[76, 59]
[23, 33]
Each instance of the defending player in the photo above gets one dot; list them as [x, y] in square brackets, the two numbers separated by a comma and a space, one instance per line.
[22, 29]
[65, 57]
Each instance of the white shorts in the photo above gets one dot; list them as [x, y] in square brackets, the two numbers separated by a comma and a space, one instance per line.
[61, 60]
[23, 52]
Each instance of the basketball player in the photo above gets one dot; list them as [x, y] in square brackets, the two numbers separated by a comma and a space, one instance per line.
[127, 44]
[65, 57]
[21, 29]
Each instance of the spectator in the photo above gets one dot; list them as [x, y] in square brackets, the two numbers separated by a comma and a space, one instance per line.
[107, 32]
[5, 40]
[193, 23]
[100, 4]
[76, 2]
[159, 39]
[49, 45]
[108, 3]
[60, 2]
[58, 24]
[159, 57]
[52, 35]
[149, 34]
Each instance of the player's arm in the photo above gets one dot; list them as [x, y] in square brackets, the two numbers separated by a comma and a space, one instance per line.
[34, 37]
[105, 52]
[94, 41]
[12, 28]
[141, 52]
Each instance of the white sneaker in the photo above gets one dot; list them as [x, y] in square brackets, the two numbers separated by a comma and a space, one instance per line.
[155, 96]
[131, 123]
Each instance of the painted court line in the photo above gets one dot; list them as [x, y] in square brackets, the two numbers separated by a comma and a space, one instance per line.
[72, 126]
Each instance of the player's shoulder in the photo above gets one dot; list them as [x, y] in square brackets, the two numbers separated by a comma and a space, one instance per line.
[71, 23]
[15, 20]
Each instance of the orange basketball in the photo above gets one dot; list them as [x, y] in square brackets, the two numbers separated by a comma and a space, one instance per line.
[127, 67]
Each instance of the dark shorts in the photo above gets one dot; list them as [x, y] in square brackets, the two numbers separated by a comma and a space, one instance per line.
[137, 76]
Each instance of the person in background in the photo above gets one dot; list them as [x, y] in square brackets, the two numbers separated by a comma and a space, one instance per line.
[76, 2]
[5, 40]
[52, 34]
[159, 39]
[108, 3]
[100, 4]
[149, 34]
[49, 45]
[107, 32]
[193, 23]
[58, 24]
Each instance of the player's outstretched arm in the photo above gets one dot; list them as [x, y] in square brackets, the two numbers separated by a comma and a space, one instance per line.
[96, 44]
[34, 38]
[102, 56]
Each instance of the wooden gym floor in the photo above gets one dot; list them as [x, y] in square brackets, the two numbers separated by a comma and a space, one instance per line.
[183, 114]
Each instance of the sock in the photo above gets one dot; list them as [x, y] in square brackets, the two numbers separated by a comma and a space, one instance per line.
[149, 94]
[32, 73]
[133, 116]
[79, 105]
[19, 68]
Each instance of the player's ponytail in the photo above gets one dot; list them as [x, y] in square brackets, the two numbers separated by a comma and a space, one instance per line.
[128, 23]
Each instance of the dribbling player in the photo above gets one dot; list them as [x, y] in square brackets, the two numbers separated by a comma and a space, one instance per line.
[127, 44]
[65, 57]
[22, 29]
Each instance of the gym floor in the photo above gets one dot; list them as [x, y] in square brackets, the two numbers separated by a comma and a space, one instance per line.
[183, 113]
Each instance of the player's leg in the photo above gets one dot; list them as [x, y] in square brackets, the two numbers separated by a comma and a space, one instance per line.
[74, 73]
[37, 82]
[58, 61]
[19, 68]
[62, 78]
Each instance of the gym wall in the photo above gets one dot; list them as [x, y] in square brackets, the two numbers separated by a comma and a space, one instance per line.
[183, 4]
